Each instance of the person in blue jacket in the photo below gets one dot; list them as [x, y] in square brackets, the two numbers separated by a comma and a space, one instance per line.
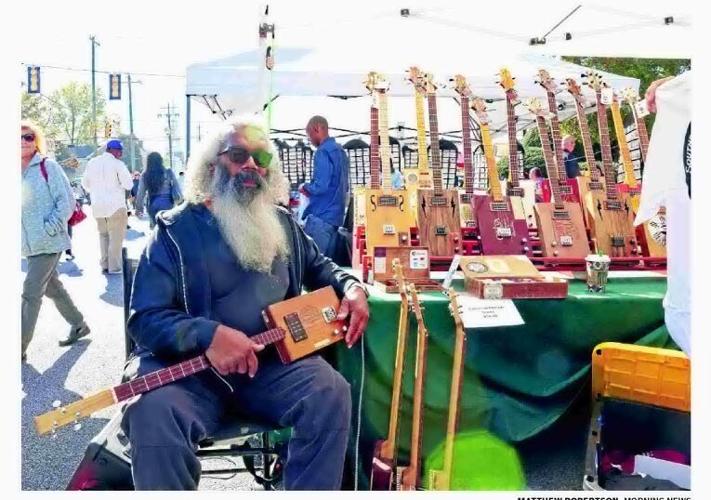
[328, 191]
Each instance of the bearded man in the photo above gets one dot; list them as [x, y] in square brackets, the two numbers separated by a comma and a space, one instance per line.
[210, 268]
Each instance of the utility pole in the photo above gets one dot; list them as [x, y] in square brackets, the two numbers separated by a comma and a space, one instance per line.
[169, 130]
[130, 122]
[94, 43]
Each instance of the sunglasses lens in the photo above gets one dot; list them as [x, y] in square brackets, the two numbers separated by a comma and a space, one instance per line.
[28, 137]
[238, 155]
[262, 158]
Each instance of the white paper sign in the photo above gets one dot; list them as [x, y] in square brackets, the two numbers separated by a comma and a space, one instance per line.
[419, 259]
[606, 96]
[641, 108]
[480, 313]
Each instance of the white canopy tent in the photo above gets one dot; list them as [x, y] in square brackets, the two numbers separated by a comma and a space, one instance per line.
[330, 56]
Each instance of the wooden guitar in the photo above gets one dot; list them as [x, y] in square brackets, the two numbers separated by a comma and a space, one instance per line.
[437, 208]
[560, 223]
[500, 232]
[297, 327]
[594, 182]
[611, 216]
[409, 477]
[521, 203]
[653, 235]
[388, 216]
[442, 479]
[466, 199]
[568, 187]
[420, 177]
[359, 196]
[383, 470]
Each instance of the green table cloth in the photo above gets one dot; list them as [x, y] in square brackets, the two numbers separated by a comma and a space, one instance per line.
[517, 380]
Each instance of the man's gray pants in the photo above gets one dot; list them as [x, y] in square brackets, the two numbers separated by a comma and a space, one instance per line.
[308, 395]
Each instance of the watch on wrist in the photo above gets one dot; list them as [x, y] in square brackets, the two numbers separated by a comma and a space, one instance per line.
[358, 284]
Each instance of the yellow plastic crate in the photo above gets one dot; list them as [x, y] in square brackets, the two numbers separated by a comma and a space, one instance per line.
[650, 375]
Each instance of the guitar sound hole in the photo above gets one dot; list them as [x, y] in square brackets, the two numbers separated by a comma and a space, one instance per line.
[387, 201]
[296, 328]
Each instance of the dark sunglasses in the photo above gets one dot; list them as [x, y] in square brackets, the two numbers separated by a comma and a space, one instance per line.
[240, 156]
[28, 137]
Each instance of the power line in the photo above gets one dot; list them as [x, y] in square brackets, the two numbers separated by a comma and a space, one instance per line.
[88, 70]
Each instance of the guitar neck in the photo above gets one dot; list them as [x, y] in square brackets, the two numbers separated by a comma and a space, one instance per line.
[467, 147]
[587, 140]
[643, 136]
[374, 153]
[389, 448]
[418, 401]
[178, 371]
[434, 145]
[384, 140]
[549, 159]
[622, 142]
[454, 397]
[422, 162]
[555, 134]
[610, 174]
[513, 143]
[487, 145]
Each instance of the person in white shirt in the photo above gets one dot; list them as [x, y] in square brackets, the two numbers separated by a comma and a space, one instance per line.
[107, 179]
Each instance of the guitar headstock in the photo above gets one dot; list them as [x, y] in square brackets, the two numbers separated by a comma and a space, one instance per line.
[593, 79]
[416, 307]
[399, 277]
[630, 95]
[71, 413]
[375, 82]
[455, 309]
[416, 77]
[545, 80]
[479, 107]
[533, 104]
[507, 83]
[429, 84]
[461, 86]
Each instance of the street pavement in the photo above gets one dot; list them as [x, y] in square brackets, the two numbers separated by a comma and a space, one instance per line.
[553, 461]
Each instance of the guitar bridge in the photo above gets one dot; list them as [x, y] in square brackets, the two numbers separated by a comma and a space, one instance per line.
[329, 314]
[438, 201]
[441, 231]
[499, 206]
[613, 205]
[296, 328]
[503, 232]
[561, 214]
[388, 229]
[515, 191]
[566, 241]
[618, 241]
[387, 200]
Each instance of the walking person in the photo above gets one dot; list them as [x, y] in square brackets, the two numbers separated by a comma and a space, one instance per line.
[107, 179]
[46, 208]
[70, 170]
[160, 186]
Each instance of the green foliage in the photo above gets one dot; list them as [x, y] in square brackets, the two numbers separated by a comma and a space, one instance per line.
[34, 108]
[71, 113]
[502, 167]
[534, 158]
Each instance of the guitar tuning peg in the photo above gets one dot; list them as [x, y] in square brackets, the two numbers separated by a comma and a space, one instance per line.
[77, 426]
[56, 403]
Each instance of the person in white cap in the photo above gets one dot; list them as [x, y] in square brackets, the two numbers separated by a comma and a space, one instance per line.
[107, 179]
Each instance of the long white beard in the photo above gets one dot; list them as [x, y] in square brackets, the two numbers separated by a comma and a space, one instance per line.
[252, 231]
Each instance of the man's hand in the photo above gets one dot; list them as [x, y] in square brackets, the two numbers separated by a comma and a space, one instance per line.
[232, 351]
[303, 191]
[354, 304]
[651, 94]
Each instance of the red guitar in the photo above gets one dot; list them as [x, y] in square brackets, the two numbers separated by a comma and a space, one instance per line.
[500, 232]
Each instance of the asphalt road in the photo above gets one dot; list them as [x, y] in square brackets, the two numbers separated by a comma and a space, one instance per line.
[552, 461]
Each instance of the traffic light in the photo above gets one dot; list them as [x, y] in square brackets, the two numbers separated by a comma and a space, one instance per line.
[115, 86]
[33, 79]
[108, 129]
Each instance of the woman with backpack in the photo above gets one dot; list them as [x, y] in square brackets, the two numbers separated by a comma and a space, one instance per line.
[46, 208]
[160, 186]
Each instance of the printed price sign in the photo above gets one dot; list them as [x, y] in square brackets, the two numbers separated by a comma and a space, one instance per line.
[480, 313]
[606, 96]
[641, 108]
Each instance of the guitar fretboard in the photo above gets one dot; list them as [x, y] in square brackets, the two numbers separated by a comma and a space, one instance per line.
[550, 160]
[178, 371]
[513, 144]
[434, 144]
[610, 174]
[555, 134]
[467, 147]
[374, 153]
[487, 145]
[422, 163]
[587, 141]
[625, 156]
[384, 140]
[643, 136]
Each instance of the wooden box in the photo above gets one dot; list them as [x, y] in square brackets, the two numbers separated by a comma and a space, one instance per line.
[509, 277]
[415, 263]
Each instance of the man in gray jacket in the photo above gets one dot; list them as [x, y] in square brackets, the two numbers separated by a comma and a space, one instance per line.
[46, 208]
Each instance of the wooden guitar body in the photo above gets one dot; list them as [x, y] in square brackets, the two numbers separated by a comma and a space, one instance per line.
[501, 233]
[309, 322]
[523, 205]
[562, 230]
[438, 221]
[466, 210]
[586, 185]
[359, 206]
[387, 218]
[612, 229]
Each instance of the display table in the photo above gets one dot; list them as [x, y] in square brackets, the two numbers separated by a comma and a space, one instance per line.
[517, 380]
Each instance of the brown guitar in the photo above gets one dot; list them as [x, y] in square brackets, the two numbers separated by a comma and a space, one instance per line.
[594, 182]
[560, 223]
[409, 477]
[382, 474]
[611, 216]
[298, 327]
[438, 208]
[442, 479]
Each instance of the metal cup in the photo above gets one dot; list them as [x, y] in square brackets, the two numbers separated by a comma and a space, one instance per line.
[597, 267]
